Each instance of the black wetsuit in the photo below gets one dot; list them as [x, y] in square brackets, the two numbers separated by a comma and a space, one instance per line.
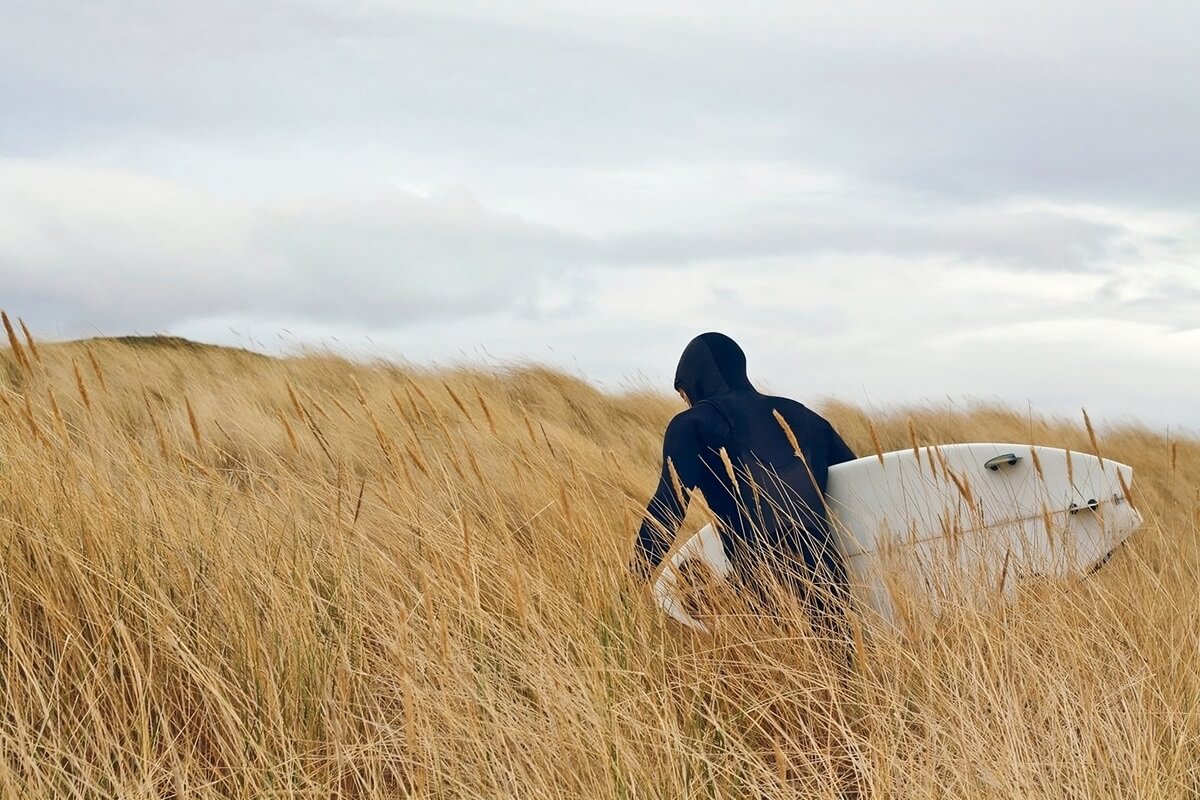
[774, 512]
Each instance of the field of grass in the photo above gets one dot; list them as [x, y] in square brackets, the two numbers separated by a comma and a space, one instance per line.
[223, 574]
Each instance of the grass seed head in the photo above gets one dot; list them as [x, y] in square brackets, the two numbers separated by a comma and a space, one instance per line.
[80, 386]
[192, 423]
[288, 431]
[729, 468]
[32, 420]
[1091, 432]
[487, 412]
[15, 343]
[33, 348]
[458, 402]
[788, 432]
[1037, 464]
[875, 441]
[99, 373]
[305, 636]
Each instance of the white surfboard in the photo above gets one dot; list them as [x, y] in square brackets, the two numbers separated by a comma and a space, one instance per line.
[951, 522]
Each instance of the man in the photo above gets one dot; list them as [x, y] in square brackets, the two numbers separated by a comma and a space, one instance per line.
[739, 448]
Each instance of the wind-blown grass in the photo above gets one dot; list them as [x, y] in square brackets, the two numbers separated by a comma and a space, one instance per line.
[228, 575]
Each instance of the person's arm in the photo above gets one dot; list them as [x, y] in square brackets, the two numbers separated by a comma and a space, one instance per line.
[665, 512]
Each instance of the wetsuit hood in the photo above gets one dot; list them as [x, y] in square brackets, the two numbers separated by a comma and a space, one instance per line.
[711, 364]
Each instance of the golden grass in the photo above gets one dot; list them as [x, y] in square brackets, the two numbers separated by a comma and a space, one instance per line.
[226, 575]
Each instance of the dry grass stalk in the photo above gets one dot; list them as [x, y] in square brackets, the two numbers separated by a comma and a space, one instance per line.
[159, 435]
[487, 412]
[912, 439]
[417, 461]
[192, 423]
[59, 423]
[33, 348]
[34, 428]
[931, 456]
[203, 631]
[791, 437]
[411, 737]
[296, 405]
[781, 762]
[80, 386]
[417, 415]
[729, 468]
[409, 480]
[15, 343]
[99, 373]
[345, 411]
[1037, 464]
[1048, 523]
[315, 430]
[410, 414]
[941, 460]
[475, 466]
[458, 402]
[565, 502]
[416, 387]
[447, 437]
[875, 441]
[963, 486]
[311, 402]
[676, 483]
[787, 431]
[188, 461]
[287, 429]
[546, 439]
[1091, 432]
[380, 437]
[1125, 489]
[452, 459]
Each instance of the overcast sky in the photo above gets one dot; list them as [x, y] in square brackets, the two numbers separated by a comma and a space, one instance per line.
[883, 202]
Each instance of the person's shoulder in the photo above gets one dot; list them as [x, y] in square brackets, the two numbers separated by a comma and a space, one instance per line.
[794, 409]
[788, 404]
[697, 414]
[680, 420]
[699, 418]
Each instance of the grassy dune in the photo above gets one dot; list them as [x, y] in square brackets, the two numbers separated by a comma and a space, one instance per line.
[229, 575]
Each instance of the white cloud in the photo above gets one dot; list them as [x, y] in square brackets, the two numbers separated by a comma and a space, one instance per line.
[112, 251]
[1078, 98]
[923, 197]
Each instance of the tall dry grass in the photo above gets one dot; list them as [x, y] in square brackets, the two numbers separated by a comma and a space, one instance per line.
[228, 575]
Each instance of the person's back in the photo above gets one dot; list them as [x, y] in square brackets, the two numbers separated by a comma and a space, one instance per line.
[739, 448]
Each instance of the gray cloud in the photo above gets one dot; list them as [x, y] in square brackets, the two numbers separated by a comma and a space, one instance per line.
[1036, 240]
[116, 251]
[1170, 298]
[1082, 99]
[383, 257]
[863, 189]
